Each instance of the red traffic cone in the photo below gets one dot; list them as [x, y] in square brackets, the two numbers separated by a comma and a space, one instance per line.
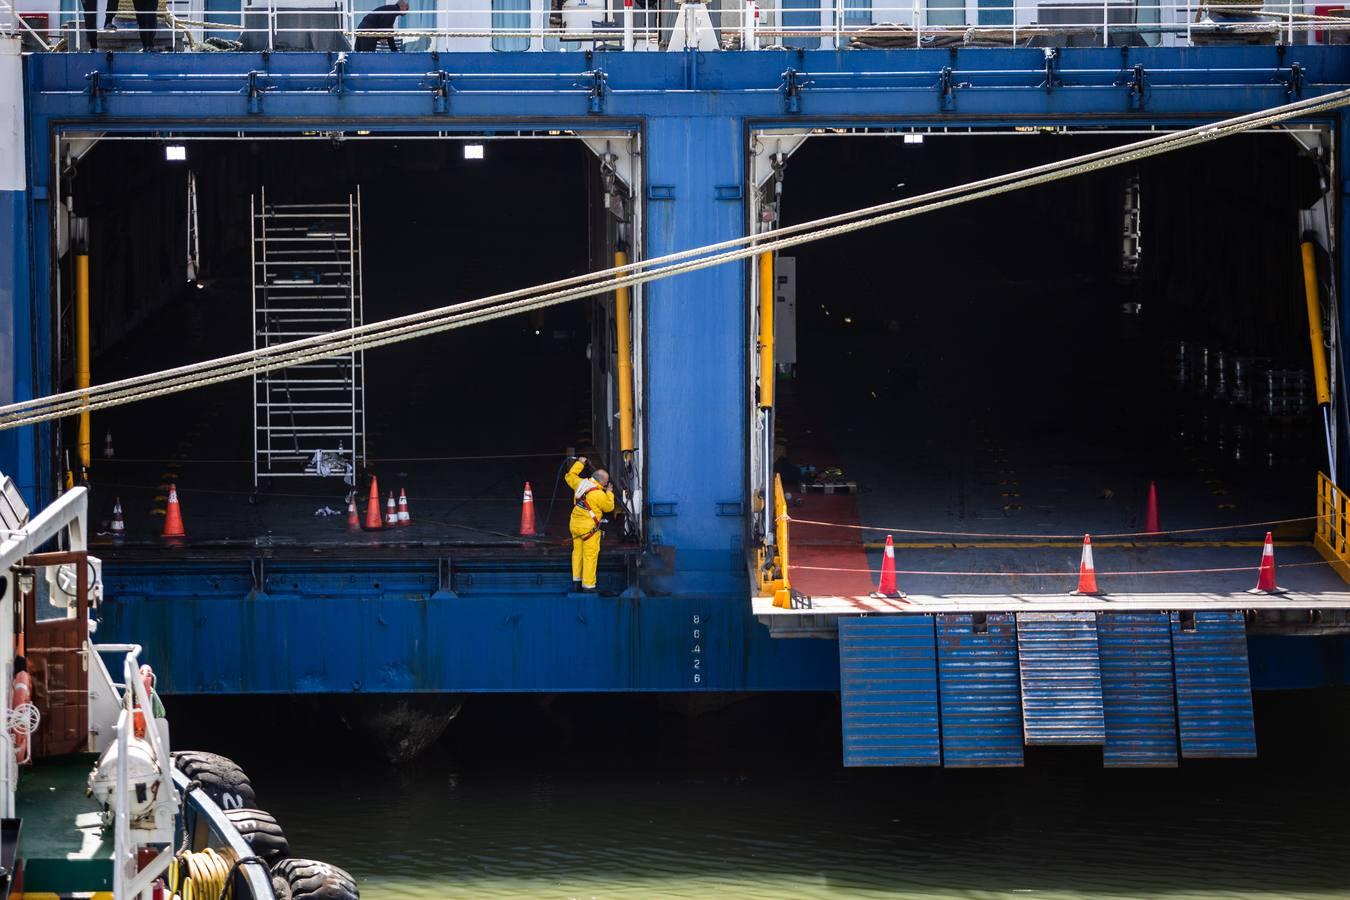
[119, 525]
[886, 587]
[1087, 575]
[404, 518]
[373, 520]
[1265, 580]
[527, 512]
[173, 516]
[353, 520]
[390, 511]
[1151, 525]
[107, 446]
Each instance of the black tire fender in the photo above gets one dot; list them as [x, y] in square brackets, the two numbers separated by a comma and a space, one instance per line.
[309, 879]
[261, 832]
[220, 778]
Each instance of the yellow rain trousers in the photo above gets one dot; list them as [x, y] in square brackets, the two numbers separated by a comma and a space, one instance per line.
[590, 502]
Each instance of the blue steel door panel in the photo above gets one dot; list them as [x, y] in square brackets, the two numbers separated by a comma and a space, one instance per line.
[888, 691]
[978, 689]
[1061, 678]
[1137, 694]
[1214, 690]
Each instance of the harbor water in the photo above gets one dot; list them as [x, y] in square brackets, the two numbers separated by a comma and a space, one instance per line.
[520, 804]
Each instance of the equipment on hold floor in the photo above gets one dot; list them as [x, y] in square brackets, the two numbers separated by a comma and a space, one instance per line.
[1151, 521]
[108, 451]
[173, 517]
[1265, 579]
[404, 517]
[391, 512]
[309, 418]
[527, 512]
[1087, 575]
[119, 525]
[373, 520]
[353, 520]
[886, 587]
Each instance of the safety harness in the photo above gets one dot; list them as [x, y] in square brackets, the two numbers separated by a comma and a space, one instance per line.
[583, 491]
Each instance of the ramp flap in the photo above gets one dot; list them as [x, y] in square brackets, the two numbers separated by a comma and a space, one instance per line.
[980, 699]
[888, 690]
[1137, 696]
[1061, 678]
[1214, 688]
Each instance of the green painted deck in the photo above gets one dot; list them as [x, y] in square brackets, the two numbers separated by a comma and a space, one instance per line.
[63, 846]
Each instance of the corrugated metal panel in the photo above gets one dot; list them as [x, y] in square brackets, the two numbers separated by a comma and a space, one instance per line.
[1137, 695]
[888, 688]
[978, 688]
[1214, 690]
[1061, 678]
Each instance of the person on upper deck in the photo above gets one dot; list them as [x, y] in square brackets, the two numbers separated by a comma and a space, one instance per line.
[591, 499]
[381, 18]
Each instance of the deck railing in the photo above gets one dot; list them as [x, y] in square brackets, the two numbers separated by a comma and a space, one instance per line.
[534, 25]
[1332, 538]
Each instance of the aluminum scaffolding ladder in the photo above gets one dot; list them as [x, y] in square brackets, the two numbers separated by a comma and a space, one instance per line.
[308, 419]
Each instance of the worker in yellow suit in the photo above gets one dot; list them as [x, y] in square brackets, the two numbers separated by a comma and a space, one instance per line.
[591, 499]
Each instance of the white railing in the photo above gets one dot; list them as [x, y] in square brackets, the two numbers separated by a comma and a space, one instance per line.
[128, 880]
[533, 25]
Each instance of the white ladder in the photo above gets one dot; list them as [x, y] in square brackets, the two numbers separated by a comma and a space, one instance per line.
[308, 419]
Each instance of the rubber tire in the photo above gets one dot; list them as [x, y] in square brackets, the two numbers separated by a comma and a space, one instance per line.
[262, 833]
[312, 880]
[221, 779]
[280, 889]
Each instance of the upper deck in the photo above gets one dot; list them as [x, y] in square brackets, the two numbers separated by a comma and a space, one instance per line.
[582, 26]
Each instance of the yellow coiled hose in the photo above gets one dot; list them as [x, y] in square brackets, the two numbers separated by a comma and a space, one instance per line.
[200, 875]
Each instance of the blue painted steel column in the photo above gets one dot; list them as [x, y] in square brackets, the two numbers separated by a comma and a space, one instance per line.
[695, 352]
[16, 362]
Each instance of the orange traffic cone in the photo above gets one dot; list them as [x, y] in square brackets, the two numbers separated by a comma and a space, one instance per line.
[173, 516]
[119, 525]
[527, 513]
[353, 520]
[1151, 525]
[1265, 580]
[886, 587]
[404, 518]
[390, 512]
[373, 520]
[1087, 575]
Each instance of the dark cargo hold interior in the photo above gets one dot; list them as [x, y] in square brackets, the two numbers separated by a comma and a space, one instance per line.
[999, 368]
[460, 420]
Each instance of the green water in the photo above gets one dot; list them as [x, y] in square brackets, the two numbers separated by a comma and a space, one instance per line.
[1209, 833]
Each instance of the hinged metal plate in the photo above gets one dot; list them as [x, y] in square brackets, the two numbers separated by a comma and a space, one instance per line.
[888, 690]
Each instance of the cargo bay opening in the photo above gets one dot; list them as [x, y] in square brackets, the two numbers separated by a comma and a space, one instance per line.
[988, 381]
[196, 247]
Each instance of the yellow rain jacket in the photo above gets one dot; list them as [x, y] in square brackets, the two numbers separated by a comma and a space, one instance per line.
[590, 502]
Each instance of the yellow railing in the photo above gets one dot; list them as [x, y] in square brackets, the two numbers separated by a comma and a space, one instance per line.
[773, 571]
[782, 595]
[1332, 539]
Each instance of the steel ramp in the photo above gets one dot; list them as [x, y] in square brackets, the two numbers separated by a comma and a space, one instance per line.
[1138, 699]
[888, 691]
[1061, 679]
[1214, 689]
[979, 696]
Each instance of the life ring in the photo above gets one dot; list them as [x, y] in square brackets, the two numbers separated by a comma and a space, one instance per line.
[20, 695]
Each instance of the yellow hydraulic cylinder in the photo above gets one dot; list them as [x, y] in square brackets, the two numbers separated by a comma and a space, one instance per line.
[624, 336]
[82, 347]
[1315, 336]
[766, 367]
